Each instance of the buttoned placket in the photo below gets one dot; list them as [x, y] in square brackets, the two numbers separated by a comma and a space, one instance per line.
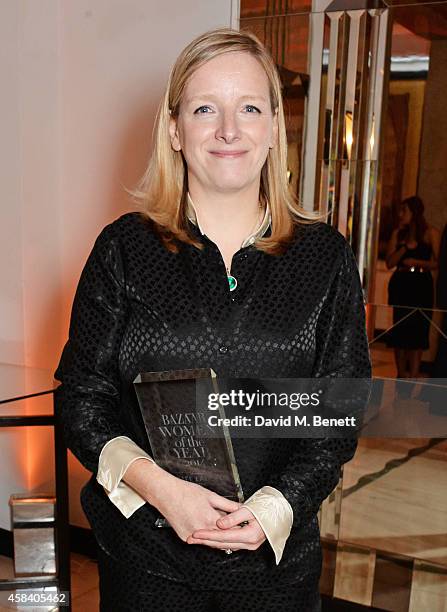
[246, 251]
[242, 255]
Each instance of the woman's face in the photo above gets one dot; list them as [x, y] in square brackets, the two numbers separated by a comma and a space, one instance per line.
[225, 124]
[405, 214]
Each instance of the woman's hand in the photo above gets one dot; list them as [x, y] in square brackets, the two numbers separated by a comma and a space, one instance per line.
[228, 534]
[189, 506]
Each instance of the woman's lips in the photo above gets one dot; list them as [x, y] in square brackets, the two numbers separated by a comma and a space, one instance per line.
[228, 154]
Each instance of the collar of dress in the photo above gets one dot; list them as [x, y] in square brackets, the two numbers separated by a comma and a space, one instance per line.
[191, 213]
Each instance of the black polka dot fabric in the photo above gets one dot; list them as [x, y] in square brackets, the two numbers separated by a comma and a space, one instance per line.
[122, 589]
[139, 307]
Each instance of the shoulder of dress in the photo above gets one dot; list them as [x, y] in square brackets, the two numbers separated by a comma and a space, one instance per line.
[126, 226]
[131, 218]
[326, 240]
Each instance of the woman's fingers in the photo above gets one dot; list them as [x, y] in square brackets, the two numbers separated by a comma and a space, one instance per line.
[251, 534]
[224, 545]
[222, 503]
[224, 535]
[230, 533]
[249, 537]
[238, 516]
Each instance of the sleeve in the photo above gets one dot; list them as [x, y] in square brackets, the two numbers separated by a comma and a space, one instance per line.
[342, 350]
[116, 456]
[87, 402]
[275, 516]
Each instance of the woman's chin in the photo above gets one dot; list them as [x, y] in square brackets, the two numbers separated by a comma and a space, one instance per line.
[231, 184]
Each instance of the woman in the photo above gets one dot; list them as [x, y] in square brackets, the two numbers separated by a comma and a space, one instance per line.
[220, 269]
[413, 249]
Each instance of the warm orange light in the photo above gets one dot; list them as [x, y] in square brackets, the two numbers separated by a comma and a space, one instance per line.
[348, 133]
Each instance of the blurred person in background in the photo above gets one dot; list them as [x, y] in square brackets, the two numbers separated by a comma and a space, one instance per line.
[413, 250]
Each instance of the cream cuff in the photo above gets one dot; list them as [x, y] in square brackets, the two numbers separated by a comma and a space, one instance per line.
[275, 515]
[116, 456]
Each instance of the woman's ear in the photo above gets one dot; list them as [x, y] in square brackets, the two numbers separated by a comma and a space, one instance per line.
[173, 132]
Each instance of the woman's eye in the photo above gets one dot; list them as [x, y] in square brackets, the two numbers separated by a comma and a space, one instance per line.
[250, 106]
[200, 109]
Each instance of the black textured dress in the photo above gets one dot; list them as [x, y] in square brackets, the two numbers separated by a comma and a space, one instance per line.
[139, 307]
[409, 289]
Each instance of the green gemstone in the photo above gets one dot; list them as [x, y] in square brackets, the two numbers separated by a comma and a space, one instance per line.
[232, 282]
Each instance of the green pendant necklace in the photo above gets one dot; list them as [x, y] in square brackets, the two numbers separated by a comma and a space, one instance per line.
[232, 281]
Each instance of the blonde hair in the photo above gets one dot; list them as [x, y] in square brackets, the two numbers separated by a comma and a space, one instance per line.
[161, 192]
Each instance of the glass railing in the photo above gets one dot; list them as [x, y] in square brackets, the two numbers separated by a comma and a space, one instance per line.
[384, 527]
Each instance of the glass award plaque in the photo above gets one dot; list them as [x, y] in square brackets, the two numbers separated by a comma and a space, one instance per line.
[175, 426]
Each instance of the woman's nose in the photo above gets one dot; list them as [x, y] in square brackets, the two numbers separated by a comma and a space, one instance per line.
[228, 128]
